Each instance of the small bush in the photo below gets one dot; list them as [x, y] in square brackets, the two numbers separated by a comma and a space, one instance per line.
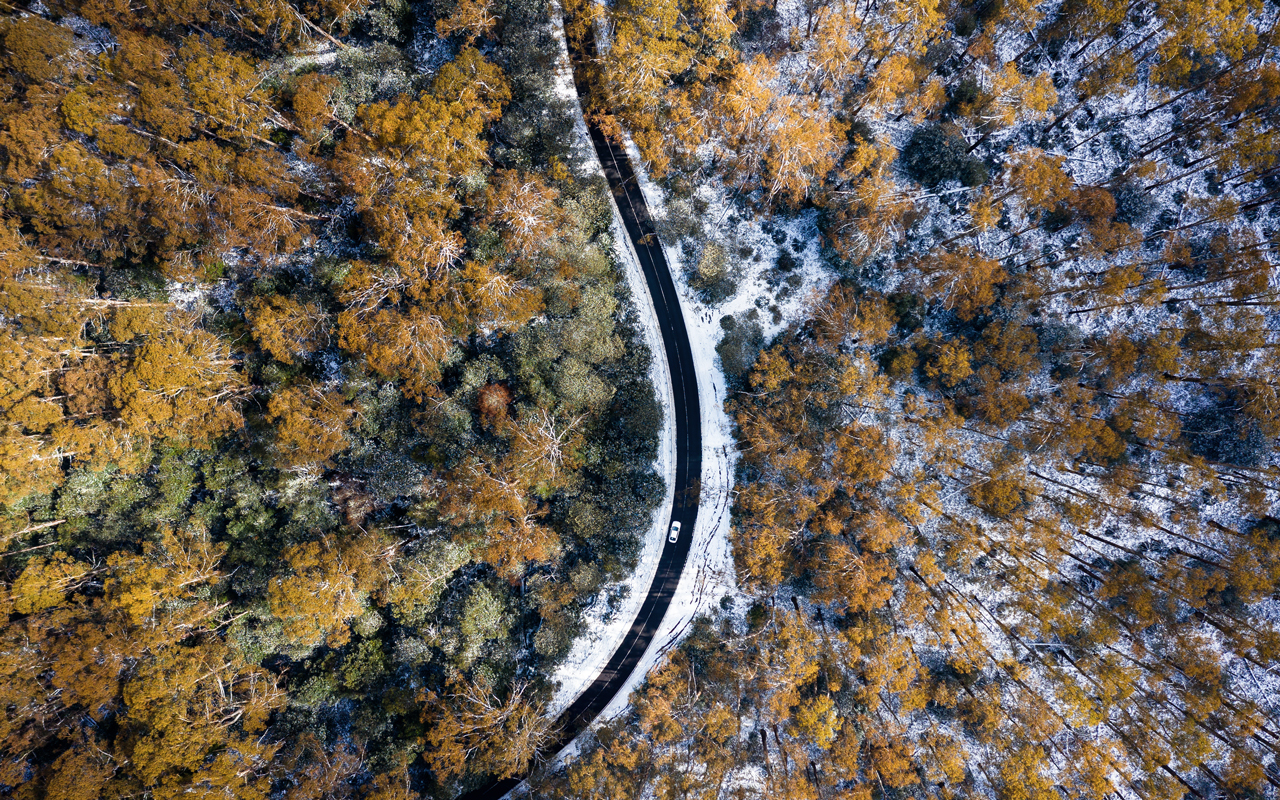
[1133, 205]
[858, 131]
[589, 204]
[899, 363]
[713, 279]
[989, 10]
[937, 153]
[965, 92]
[681, 222]
[740, 348]
[761, 25]
[380, 72]
[364, 665]
[390, 20]
[1223, 435]
[974, 172]
[909, 309]
[713, 264]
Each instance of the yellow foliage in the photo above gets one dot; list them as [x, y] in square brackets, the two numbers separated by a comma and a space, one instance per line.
[331, 580]
[949, 363]
[817, 719]
[46, 582]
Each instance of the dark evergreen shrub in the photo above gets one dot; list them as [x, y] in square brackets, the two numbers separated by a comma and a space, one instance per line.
[937, 153]
[974, 172]
[1223, 435]
[909, 309]
[858, 131]
[966, 91]
[1133, 206]
[739, 349]
[989, 10]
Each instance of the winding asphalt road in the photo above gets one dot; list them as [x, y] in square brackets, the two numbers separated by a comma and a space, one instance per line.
[684, 388]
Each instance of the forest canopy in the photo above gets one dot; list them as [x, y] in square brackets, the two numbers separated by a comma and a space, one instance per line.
[323, 416]
[326, 419]
[1005, 519]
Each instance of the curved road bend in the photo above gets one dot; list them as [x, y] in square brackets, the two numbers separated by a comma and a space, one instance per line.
[684, 388]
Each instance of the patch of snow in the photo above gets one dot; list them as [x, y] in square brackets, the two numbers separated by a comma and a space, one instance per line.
[98, 39]
[223, 296]
[428, 50]
[187, 296]
[319, 58]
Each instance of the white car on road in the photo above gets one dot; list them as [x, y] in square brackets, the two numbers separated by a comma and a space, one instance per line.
[675, 532]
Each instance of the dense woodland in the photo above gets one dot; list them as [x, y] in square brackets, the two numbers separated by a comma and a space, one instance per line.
[1006, 522]
[322, 414]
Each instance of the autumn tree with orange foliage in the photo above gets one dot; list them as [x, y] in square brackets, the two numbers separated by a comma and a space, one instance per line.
[287, 341]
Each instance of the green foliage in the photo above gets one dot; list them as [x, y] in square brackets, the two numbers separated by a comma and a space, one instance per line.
[713, 277]
[369, 75]
[363, 666]
[937, 153]
[387, 19]
[102, 507]
[739, 348]
[484, 618]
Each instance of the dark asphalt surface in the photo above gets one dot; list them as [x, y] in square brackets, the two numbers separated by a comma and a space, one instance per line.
[684, 389]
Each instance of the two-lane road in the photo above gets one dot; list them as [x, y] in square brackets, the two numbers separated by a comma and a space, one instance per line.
[688, 418]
